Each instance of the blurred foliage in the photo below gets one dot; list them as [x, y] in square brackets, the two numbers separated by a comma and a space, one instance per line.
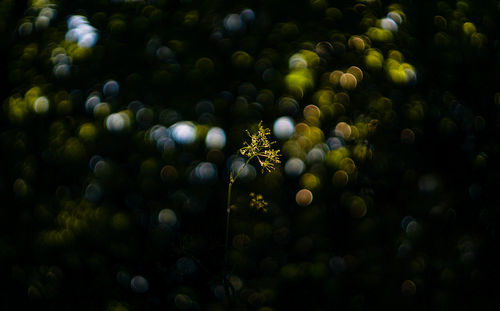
[121, 120]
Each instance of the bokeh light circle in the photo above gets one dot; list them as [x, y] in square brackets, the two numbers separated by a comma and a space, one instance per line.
[139, 284]
[183, 132]
[216, 138]
[304, 197]
[283, 128]
[168, 217]
[294, 167]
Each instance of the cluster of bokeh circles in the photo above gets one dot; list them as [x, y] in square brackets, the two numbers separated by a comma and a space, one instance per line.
[123, 121]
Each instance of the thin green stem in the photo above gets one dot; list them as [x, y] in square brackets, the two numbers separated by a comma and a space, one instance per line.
[228, 209]
[232, 180]
[228, 212]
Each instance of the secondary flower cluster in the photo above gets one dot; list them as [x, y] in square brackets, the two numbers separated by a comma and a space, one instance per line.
[257, 201]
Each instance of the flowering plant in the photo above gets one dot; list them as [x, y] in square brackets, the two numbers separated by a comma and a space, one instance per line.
[259, 147]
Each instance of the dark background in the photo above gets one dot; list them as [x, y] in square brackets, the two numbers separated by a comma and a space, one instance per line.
[61, 247]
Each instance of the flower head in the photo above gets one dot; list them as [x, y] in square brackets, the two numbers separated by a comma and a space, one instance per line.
[261, 148]
[257, 201]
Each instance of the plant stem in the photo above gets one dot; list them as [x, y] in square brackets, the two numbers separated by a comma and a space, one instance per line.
[228, 213]
[231, 179]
